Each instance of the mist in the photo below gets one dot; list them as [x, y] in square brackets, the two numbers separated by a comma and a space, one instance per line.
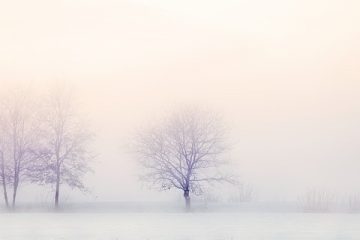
[137, 119]
[283, 75]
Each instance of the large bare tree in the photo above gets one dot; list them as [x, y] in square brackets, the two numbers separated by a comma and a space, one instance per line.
[183, 152]
[66, 141]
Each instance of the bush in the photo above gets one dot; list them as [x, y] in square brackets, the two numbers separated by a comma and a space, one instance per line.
[316, 201]
[243, 193]
[354, 203]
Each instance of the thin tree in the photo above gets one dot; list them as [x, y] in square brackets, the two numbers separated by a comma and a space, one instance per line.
[3, 173]
[19, 139]
[66, 142]
[3, 169]
[183, 152]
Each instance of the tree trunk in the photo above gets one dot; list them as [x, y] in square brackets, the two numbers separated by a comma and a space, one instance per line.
[4, 180]
[57, 189]
[187, 200]
[5, 193]
[16, 183]
[15, 159]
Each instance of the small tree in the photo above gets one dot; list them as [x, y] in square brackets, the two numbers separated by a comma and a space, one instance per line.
[19, 138]
[66, 146]
[4, 173]
[183, 152]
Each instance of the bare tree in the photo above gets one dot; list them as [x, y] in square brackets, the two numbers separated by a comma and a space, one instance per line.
[18, 141]
[66, 141]
[183, 152]
[3, 169]
[3, 173]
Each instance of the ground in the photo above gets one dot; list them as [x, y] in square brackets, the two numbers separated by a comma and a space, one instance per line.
[178, 226]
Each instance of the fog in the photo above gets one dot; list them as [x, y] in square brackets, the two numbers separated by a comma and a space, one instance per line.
[284, 75]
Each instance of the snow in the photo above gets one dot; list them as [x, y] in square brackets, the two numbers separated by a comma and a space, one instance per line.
[178, 226]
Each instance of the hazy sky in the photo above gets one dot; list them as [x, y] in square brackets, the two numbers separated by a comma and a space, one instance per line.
[285, 75]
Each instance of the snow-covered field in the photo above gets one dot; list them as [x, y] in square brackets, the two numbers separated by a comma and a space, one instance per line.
[178, 226]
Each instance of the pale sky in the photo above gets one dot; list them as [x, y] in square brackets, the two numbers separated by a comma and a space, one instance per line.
[284, 74]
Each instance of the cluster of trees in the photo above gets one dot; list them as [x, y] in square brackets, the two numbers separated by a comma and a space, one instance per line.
[42, 141]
